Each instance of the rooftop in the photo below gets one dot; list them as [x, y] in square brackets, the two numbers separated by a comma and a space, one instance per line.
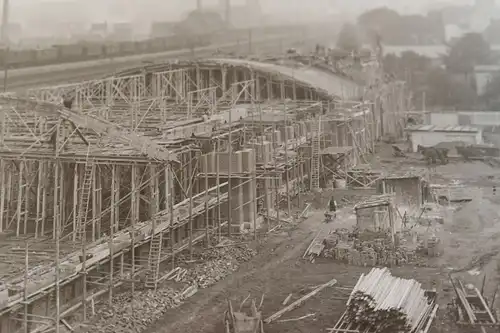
[375, 201]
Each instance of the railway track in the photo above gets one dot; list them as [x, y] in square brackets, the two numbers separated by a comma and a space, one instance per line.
[25, 78]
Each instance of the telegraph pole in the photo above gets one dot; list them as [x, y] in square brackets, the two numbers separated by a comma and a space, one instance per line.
[5, 40]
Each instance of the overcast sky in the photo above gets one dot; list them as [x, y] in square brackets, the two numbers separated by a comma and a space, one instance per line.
[35, 13]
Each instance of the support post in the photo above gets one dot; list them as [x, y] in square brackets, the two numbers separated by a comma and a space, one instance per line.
[287, 178]
[229, 183]
[190, 184]
[205, 167]
[3, 186]
[57, 233]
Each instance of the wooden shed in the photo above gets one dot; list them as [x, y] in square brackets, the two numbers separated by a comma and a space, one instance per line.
[378, 213]
[408, 188]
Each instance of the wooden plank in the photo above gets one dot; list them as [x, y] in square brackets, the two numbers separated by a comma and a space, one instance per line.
[299, 302]
[431, 319]
[486, 307]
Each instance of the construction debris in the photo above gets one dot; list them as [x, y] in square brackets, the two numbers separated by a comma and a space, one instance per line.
[358, 249]
[134, 312]
[297, 319]
[216, 264]
[382, 303]
[287, 299]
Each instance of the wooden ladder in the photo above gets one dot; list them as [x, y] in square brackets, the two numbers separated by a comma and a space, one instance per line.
[86, 190]
[154, 261]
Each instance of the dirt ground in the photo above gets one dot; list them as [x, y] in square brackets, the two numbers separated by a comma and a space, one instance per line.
[471, 240]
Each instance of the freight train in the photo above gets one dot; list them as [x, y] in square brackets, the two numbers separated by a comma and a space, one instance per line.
[95, 50]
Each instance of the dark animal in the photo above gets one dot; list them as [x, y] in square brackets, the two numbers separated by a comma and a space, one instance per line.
[465, 152]
[433, 154]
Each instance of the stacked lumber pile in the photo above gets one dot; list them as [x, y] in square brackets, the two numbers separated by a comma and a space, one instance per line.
[388, 304]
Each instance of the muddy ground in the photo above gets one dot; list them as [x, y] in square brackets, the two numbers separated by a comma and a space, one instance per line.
[471, 239]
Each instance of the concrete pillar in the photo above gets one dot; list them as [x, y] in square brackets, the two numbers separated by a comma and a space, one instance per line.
[248, 164]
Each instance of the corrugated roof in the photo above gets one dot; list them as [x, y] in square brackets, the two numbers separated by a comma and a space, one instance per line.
[436, 128]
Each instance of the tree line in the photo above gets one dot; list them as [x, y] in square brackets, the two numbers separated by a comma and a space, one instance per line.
[447, 82]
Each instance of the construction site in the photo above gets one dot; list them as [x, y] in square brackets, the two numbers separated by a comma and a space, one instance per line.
[164, 195]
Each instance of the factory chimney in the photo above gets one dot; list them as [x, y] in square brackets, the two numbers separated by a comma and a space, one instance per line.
[225, 9]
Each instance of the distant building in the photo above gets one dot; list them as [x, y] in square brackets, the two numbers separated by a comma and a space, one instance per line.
[200, 22]
[99, 29]
[431, 135]
[122, 31]
[162, 29]
[240, 16]
[483, 74]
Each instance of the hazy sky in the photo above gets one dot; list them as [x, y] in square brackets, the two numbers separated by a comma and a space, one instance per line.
[35, 14]
[174, 8]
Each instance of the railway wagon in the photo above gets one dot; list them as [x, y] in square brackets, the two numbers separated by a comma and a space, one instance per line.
[156, 45]
[71, 52]
[93, 50]
[127, 48]
[46, 56]
[19, 58]
[175, 42]
[96, 50]
[112, 49]
[142, 46]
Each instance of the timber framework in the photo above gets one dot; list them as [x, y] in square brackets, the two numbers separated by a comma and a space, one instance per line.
[152, 162]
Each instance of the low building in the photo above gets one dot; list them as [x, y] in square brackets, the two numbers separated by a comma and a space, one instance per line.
[378, 214]
[408, 189]
[479, 119]
[431, 135]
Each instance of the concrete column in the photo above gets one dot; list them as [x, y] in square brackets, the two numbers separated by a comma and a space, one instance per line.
[240, 217]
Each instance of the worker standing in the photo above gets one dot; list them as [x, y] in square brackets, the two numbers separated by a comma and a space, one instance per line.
[333, 206]
[332, 210]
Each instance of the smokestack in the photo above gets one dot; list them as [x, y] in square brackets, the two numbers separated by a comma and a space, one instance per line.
[198, 4]
[227, 11]
[5, 23]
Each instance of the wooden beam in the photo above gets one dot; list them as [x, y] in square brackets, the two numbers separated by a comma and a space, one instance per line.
[299, 302]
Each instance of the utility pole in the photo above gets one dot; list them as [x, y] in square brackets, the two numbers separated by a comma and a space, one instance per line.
[5, 22]
[5, 40]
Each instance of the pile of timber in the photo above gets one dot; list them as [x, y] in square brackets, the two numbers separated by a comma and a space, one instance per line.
[215, 264]
[386, 303]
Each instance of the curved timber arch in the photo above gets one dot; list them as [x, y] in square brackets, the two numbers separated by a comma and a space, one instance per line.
[201, 84]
